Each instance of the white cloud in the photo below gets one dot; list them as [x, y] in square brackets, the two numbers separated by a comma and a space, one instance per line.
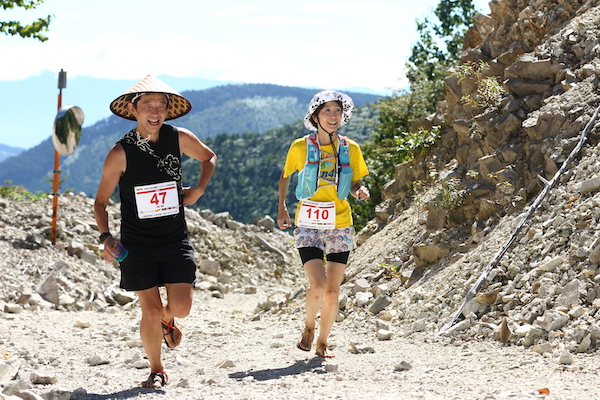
[280, 20]
[356, 7]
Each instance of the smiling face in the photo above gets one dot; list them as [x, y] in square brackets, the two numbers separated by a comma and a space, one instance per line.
[150, 111]
[329, 116]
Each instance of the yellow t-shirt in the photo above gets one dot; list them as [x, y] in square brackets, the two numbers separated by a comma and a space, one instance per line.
[295, 160]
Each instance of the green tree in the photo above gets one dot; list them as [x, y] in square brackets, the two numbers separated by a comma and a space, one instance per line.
[32, 30]
[438, 48]
[440, 42]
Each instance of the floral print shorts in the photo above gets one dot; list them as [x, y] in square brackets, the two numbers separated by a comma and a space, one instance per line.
[329, 240]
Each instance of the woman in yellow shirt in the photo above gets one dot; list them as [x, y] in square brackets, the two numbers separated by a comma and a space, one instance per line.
[323, 220]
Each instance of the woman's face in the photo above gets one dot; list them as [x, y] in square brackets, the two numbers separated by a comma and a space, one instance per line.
[329, 117]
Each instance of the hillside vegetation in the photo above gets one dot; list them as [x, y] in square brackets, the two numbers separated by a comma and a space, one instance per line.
[232, 119]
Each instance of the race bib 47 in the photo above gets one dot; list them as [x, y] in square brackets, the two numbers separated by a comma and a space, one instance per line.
[157, 200]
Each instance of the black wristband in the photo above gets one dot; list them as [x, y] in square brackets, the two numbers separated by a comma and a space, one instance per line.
[103, 236]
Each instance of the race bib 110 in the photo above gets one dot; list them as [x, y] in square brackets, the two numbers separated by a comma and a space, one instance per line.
[316, 215]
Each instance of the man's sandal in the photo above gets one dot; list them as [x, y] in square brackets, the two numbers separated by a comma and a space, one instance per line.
[171, 333]
[322, 352]
[157, 379]
[305, 342]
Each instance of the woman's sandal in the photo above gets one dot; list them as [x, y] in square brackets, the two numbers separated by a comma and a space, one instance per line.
[322, 351]
[305, 343]
[157, 379]
[171, 333]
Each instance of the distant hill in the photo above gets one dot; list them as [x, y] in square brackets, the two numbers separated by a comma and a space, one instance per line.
[9, 151]
[92, 95]
[231, 109]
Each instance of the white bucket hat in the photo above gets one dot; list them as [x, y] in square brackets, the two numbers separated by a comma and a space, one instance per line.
[178, 105]
[323, 97]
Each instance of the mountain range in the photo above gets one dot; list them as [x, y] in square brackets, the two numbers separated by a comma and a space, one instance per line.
[28, 106]
[249, 126]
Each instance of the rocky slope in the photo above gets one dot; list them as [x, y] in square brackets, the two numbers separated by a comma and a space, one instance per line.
[425, 254]
[72, 275]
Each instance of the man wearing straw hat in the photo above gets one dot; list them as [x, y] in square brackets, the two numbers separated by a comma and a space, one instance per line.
[146, 165]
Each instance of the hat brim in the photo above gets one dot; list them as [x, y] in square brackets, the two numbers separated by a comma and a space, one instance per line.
[178, 105]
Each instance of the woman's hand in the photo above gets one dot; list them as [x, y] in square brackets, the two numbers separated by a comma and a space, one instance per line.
[362, 193]
[283, 219]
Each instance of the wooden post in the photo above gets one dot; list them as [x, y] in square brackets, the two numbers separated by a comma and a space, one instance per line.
[62, 83]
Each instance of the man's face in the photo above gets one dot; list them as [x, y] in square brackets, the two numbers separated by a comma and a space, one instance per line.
[150, 112]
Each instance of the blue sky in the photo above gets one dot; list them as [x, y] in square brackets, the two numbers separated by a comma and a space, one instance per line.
[327, 44]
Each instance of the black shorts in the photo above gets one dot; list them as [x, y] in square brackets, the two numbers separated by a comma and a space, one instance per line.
[149, 266]
[314, 253]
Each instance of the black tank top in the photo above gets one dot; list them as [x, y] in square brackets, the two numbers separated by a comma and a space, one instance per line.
[142, 170]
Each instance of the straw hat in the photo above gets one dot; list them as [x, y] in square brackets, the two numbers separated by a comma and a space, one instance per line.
[323, 97]
[178, 105]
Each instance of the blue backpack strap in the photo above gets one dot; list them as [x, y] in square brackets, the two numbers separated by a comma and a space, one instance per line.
[345, 174]
[307, 178]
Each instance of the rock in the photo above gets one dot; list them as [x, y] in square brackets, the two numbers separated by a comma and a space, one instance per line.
[589, 186]
[79, 394]
[504, 332]
[428, 254]
[331, 368]
[266, 222]
[552, 320]
[29, 395]
[8, 372]
[210, 267]
[402, 366]
[122, 297]
[380, 304]
[96, 360]
[13, 308]
[226, 364]
[383, 334]
[542, 348]
[565, 358]
[363, 298]
[49, 289]
[571, 294]
[250, 290]
[358, 348]
[360, 285]
[585, 344]
[58, 394]
[595, 255]
[40, 378]
[552, 264]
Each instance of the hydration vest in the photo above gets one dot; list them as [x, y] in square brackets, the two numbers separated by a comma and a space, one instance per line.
[308, 178]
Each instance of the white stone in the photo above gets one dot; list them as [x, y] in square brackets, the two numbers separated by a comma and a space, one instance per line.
[565, 358]
[363, 298]
[383, 334]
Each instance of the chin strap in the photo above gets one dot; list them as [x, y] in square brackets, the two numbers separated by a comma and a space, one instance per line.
[326, 131]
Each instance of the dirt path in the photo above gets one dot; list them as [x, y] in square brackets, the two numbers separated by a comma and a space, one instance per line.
[227, 355]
